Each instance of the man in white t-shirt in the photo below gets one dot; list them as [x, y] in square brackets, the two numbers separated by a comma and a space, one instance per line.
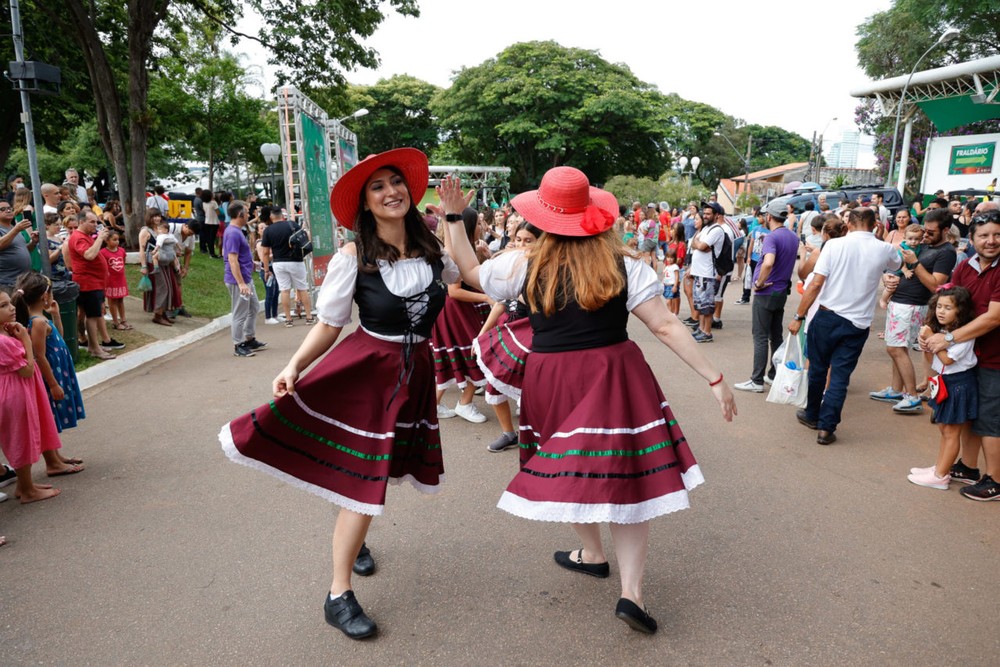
[73, 179]
[50, 198]
[708, 241]
[158, 201]
[845, 281]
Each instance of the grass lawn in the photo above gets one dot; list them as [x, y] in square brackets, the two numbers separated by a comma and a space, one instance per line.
[205, 295]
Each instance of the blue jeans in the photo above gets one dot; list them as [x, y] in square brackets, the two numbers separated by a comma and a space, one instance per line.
[833, 344]
[270, 296]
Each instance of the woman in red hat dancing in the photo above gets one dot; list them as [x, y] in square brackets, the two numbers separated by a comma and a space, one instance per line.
[599, 443]
[365, 416]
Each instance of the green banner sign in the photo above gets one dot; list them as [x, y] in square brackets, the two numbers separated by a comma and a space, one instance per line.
[972, 159]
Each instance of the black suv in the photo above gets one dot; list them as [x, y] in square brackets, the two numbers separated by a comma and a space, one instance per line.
[891, 197]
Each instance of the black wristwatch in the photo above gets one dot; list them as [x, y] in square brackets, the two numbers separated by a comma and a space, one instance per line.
[453, 217]
[798, 318]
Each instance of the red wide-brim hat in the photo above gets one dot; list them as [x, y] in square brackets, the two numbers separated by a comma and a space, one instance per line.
[346, 196]
[566, 204]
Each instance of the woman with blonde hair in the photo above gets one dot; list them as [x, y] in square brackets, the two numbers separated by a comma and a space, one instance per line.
[599, 443]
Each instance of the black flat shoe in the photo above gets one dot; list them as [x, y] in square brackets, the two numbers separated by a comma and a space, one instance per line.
[635, 616]
[804, 420]
[599, 570]
[364, 564]
[345, 614]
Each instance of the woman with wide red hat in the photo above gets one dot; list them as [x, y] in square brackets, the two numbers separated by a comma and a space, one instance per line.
[365, 416]
[599, 443]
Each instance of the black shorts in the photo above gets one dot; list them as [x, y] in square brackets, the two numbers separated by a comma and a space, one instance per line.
[988, 423]
[92, 303]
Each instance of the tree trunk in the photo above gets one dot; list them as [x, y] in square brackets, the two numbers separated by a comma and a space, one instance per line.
[109, 114]
[143, 17]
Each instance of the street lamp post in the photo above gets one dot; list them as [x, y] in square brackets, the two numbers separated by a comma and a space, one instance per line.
[357, 114]
[271, 153]
[946, 36]
[682, 162]
[745, 159]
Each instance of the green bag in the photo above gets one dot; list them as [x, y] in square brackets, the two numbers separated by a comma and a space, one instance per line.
[145, 285]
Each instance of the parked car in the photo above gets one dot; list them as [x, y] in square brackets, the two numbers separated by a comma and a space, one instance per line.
[892, 200]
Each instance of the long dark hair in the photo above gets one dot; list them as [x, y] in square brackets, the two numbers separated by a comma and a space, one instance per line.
[29, 288]
[963, 304]
[420, 241]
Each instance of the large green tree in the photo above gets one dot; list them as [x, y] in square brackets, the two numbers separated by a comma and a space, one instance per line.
[538, 105]
[891, 42]
[298, 35]
[400, 113]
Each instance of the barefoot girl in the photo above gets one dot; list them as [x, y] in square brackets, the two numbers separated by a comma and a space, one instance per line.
[26, 424]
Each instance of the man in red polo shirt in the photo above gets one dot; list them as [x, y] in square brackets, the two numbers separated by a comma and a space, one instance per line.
[981, 276]
[90, 272]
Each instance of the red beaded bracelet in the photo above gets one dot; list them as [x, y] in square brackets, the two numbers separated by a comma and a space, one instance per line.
[712, 384]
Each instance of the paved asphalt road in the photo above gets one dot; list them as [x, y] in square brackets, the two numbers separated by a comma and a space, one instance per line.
[164, 553]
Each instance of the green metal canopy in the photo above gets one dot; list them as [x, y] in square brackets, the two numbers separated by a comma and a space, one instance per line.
[950, 96]
[947, 113]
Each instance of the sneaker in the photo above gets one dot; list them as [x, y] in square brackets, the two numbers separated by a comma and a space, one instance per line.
[742, 302]
[444, 412]
[470, 413]
[768, 381]
[703, 338]
[8, 477]
[983, 490]
[288, 324]
[254, 344]
[480, 391]
[959, 472]
[272, 320]
[690, 321]
[112, 344]
[3, 496]
[909, 405]
[505, 441]
[750, 385]
[921, 471]
[929, 479]
[716, 324]
[107, 316]
[242, 350]
[887, 395]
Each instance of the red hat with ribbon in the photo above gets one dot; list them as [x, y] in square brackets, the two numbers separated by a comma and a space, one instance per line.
[567, 205]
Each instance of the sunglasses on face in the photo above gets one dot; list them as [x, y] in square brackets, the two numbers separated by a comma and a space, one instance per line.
[983, 218]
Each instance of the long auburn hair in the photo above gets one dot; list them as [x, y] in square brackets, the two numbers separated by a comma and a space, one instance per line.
[963, 304]
[420, 241]
[584, 269]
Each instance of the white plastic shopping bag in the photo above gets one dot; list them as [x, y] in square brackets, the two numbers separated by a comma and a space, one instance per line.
[791, 385]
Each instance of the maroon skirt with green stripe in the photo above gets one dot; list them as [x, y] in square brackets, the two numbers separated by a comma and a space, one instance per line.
[342, 435]
[599, 442]
[456, 326]
[501, 354]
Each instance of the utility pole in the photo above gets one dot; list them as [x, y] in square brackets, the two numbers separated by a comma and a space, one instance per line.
[26, 71]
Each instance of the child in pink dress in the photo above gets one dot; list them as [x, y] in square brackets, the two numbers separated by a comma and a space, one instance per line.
[27, 427]
[117, 288]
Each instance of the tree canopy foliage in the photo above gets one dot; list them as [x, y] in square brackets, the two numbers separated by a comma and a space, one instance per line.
[538, 105]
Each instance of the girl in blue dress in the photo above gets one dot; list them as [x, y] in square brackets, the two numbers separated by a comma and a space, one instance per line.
[33, 300]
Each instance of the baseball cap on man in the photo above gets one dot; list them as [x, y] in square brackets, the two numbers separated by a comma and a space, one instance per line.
[714, 205]
[777, 210]
[651, 204]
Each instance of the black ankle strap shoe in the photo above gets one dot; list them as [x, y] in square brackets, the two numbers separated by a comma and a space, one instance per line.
[345, 614]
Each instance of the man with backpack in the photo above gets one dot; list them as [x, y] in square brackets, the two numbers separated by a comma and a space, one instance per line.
[709, 249]
[287, 264]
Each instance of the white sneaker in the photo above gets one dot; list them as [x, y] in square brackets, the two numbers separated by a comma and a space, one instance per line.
[3, 496]
[107, 316]
[750, 385]
[444, 412]
[272, 320]
[768, 381]
[470, 413]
